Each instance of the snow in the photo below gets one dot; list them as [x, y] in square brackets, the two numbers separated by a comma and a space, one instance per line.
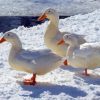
[64, 83]
[35, 7]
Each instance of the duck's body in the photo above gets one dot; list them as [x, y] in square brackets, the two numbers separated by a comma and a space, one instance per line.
[52, 34]
[85, 56]
[38, 62]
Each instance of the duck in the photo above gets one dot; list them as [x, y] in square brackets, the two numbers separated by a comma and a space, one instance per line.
[85, 56]
[53, 34]
[37, 62]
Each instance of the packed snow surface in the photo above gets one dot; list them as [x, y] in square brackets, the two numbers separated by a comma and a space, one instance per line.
[35, 7]
[64, 83]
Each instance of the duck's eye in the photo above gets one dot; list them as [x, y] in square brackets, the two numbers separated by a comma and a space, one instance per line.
[8, 34]
[49, 11]
[67, 36]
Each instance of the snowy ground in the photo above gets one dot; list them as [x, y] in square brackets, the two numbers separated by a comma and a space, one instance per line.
[35, 7]
[61, 84]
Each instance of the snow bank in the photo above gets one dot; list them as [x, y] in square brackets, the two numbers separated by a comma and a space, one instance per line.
[61, 84]
[35, 7]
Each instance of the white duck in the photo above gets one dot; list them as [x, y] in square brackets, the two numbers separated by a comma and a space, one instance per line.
[52, 34]
[37, 62]
[85, 56]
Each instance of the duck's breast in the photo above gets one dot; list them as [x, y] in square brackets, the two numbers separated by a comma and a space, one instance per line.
[51, 43]
[22, 64]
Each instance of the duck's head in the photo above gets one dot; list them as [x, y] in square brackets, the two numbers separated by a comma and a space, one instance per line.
[49, 14]
[9, 37]
[72, 39]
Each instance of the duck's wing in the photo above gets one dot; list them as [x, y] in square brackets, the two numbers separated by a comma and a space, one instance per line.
[30, 55]
[81, 53]
[87, 50]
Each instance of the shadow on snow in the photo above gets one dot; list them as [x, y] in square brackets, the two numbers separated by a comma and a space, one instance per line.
[53, 89]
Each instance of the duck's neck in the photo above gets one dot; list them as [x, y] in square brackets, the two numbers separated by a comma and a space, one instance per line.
[71, 49]
[52, 28]
[54, 21]
[15, 49]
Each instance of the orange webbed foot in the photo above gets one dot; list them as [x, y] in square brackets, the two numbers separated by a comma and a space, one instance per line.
[65, 62]
[86, 73]
[31, 81]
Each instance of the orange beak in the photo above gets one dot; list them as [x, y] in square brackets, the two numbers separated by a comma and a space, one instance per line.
[2, 40]
[42, 17]
[61, 42]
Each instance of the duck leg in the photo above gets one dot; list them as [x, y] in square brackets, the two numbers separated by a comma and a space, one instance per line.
[65, 62]
[86, 73]
[31, 81]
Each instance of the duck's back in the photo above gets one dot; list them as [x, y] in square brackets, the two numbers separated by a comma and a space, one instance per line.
[34, 53]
